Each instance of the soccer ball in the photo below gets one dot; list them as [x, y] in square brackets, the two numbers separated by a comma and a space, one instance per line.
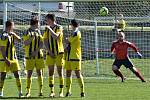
[103, 11]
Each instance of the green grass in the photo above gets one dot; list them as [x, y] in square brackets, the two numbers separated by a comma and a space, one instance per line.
[105, 67]
[96, 89]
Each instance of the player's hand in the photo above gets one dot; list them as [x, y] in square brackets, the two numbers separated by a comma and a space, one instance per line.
[139, 55]
[7, 62]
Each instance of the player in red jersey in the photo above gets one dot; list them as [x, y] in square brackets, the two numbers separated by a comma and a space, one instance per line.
[120, 50]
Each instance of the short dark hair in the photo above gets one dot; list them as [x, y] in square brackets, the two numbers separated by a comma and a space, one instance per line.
[51, 16]
[8, 23]
[74, 23]
[34, 21]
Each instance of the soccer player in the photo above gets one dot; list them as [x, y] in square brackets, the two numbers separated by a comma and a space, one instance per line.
[33, 44]
[120, 50]
[53, 40]
[73, 58]
[120, 23]
[8, 58]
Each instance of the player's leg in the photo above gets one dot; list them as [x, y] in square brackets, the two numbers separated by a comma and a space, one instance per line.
[40, 81]
[59, 64]
[68, 82]
[15, 68]
[80, 81]
[28, 82]
[18, 82]
[115, 68]
[61, 80]
[39, 69]
[51, 80]
[50, 63]
[137, 73]
[128, 64]
[2, 79]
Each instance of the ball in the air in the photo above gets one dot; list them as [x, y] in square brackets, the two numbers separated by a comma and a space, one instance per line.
[103, 11]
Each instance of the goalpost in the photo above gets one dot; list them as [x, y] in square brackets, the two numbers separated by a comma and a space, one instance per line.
[97, 34]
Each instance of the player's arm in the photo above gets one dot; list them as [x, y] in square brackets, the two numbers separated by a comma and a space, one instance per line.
[54, 35]
[135, 49]
[113, 48]
[2, 49]
[17, 37]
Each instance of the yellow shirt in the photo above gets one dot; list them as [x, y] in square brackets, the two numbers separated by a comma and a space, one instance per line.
[121, 24]
[8, 42]
[74, 53]
[34, 45]
[56, 46]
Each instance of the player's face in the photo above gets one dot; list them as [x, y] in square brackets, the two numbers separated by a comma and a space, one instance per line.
[12, 26]
[121, 36]
[49, 21]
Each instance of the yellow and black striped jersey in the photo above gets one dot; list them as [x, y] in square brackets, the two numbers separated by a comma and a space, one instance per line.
[7, 40]
[74, 49]
[55, 45]
[35, 43]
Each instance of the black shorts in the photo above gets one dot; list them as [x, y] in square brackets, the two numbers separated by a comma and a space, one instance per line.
[126, 62]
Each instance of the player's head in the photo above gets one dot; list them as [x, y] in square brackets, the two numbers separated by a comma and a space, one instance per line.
[34, 22]
[74, 23]
[9, 25]
[120, 16]
[50, 19]
[121, 36]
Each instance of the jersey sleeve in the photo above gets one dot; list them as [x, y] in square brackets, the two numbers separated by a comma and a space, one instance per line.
[131, 45]
[3, 39]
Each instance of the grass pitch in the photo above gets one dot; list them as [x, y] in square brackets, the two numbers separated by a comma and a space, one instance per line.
[95, 89]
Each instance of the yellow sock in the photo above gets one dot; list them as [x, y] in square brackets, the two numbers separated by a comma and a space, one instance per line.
[61, 80]
[68, 84]
[28, 84]
[81, 83]
[51, 83]
[18, 82]
[40, 82]
[1, 85]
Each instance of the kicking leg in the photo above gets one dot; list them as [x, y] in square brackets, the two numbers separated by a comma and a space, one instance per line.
[137, 73]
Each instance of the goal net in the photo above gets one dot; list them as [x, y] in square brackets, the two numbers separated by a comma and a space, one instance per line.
[97, 34]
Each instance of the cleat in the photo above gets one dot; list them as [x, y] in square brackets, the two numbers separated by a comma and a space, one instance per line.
[61, 94]
[40, 94]
[68, 94]
[143, 81]
[52, 95]
[1, 94]
[21, 95]
[82, 94]
[122, 79]
[27, 95]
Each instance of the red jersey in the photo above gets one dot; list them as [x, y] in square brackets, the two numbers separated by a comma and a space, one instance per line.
[120, 49]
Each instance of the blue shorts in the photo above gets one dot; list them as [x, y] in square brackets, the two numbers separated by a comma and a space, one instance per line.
[126, 62]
